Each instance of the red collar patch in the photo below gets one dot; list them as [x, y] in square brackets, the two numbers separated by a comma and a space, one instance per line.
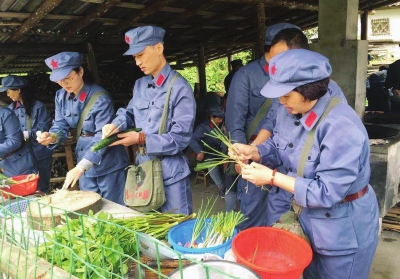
[211, 125]
[16, 105]
[266, 68]
[273, 69]
[127, 39]
[54, 64]
[311, 118]
[160, 79]
[82, 96]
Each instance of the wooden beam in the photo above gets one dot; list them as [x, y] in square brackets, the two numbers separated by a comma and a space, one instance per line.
[91, 59]
[364, 25]
[260, 29]
[202, 70]
[370, 5]
[95, 14]
[277, 3]
[35, 49]
[142, 6]
[34, 19]
[10, 23]
[145, 12]
[214, 19]
[205, 4]
[50, 48]
[59, 17]
[7, 59]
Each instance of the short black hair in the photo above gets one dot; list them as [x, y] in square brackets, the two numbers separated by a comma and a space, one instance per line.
[314, 90]
[383, 67]
[293, 37]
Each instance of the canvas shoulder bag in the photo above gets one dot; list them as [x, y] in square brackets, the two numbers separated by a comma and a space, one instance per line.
[144, 187]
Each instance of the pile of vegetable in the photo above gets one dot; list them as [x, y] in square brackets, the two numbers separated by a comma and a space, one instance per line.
[113, 138]
[96, 248]
[219, 227]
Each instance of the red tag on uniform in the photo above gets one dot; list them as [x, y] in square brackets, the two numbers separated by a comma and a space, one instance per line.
[266, 68]
[82, 96]
[310, 119]
[127, 39]
[160, 80]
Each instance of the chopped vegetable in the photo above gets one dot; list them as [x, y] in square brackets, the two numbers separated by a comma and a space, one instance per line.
[113, 138]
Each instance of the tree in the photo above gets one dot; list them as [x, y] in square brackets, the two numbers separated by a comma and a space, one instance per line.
[216, 71]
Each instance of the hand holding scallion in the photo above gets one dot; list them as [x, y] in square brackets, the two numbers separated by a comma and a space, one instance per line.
[219, 157]
[200, 156]
[257, 174]
[244, 152]
[46, 138]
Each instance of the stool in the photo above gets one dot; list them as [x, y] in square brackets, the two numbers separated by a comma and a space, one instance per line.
[202, 175]
[69, 155]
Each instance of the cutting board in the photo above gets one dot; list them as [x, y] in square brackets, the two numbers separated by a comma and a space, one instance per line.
[47, 212]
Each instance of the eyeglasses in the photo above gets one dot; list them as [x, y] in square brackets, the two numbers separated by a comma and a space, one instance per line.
[66, 80]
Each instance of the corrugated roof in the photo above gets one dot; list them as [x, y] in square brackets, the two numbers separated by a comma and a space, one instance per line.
[31, 30]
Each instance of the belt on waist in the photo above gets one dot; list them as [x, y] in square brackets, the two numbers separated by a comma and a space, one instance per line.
[15, 151]
[355, 196]
[86, 135]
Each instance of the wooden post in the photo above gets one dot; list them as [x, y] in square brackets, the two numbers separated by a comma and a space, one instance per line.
[202, 71]
[229, 62]
[364, 25]
[91, 59]
[261, 29]
[254, 52]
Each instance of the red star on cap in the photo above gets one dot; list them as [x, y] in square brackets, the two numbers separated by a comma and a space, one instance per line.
[273, 69]
[54, 64]
[127, 39]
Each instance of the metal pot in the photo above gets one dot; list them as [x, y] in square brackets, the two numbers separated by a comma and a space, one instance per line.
[198, 271]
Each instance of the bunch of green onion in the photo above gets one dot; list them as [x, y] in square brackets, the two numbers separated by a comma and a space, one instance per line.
[154, 223]
[219, 158]
[221, 228]
[201, 221]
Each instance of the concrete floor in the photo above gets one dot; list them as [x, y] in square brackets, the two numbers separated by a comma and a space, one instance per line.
[386, 264]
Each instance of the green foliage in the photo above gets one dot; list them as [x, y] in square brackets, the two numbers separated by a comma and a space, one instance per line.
[216, 72]
[311, 33]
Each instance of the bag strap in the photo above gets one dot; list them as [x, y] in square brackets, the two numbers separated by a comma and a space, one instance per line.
[163, 125]
[257, 119]
[307, 147]
[86, 110]
[28, 123]
[310, 137]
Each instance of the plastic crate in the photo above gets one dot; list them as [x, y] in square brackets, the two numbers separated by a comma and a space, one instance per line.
[183, 233]
[17, 207]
